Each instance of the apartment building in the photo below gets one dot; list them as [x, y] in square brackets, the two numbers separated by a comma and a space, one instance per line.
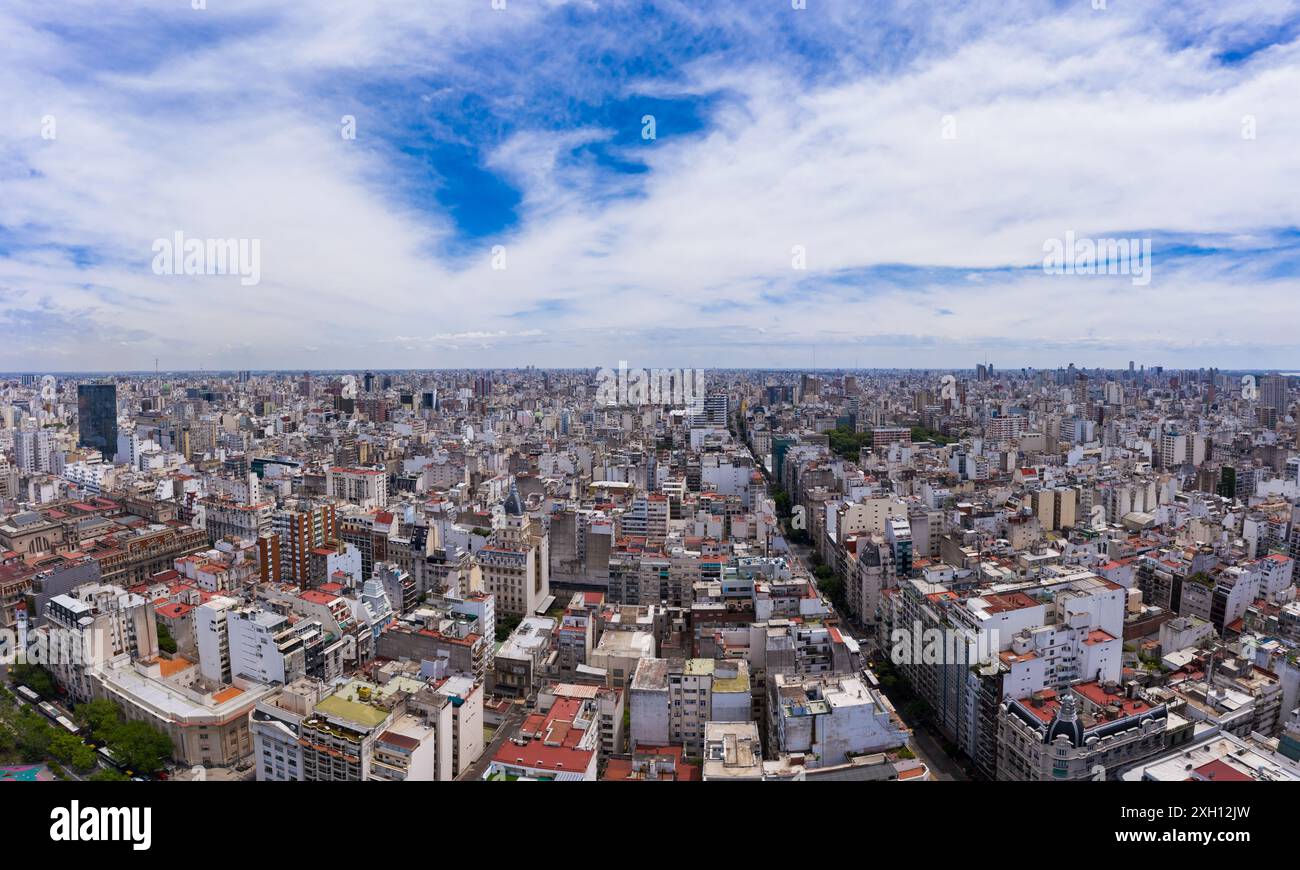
[1219, 758]
[1089, 731]
[365, 487]
[671, 700]
[618, 653]
[437, 633]
[222, 518]
[111, 624]
[561, 745]
[829, 719]
[610, 704]
[299, 527]
[733, 752]
[1000, 641]
[525, 658]
[361, 731]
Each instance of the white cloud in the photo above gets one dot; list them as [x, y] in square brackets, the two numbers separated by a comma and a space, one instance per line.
[1092, 123]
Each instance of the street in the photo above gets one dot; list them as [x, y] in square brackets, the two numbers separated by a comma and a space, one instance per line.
[506, 730]
[925, 742]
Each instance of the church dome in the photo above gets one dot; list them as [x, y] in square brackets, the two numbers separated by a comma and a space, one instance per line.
[1066, 722]
[514, 505]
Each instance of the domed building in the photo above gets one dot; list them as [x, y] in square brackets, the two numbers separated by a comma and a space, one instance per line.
[1066, 723]
[1088, 731]
[514, 505]
[516, 563]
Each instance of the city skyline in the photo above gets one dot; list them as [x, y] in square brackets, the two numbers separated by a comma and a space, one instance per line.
[737, 369]
[649, 391]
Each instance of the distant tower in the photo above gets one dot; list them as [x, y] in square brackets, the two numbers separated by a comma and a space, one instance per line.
[97, 418]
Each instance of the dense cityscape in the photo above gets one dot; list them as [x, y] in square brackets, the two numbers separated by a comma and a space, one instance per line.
[627, 574]
[536, 391]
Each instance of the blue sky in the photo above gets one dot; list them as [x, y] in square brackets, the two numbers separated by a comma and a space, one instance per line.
[912, 159]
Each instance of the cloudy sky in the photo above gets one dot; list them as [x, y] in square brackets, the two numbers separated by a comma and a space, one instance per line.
[849, 184]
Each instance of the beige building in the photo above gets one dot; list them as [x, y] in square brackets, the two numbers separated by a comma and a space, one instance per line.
[618, 654]
[206, 727]
[112, 625]
[516, 564]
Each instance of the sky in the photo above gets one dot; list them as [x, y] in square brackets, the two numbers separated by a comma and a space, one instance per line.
[442, 183]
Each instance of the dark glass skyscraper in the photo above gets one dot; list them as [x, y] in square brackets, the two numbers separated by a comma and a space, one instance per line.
[97, 417]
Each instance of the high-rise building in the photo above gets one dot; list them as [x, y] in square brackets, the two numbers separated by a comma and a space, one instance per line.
[299, 527]
[1272, 392]
[34, 450]
[212, 636]
[367, 487]
[710, 411]
[97, 417]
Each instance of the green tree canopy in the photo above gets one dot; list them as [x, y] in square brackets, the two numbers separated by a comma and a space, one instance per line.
[33, 736]
[166, 642]
[846, 442]
[108, 775]
[37, 678]
[140, 746]
[83, 758]
[100, 716]
[62, 745]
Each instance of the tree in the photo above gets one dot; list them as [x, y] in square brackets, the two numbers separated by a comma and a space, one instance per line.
[920, 433]
[83, 758]
[36, 678]
[33, 737]
[845, 442]
[63, 745]
[506, 625]
[831, 585]
[140, 746]
[100, 716]
[106, 775]
[166, 642]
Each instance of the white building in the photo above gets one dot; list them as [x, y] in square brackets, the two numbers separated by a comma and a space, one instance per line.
[831, 718]
[90, 477]
[672, 700]
[212, 637]
[367, 487]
